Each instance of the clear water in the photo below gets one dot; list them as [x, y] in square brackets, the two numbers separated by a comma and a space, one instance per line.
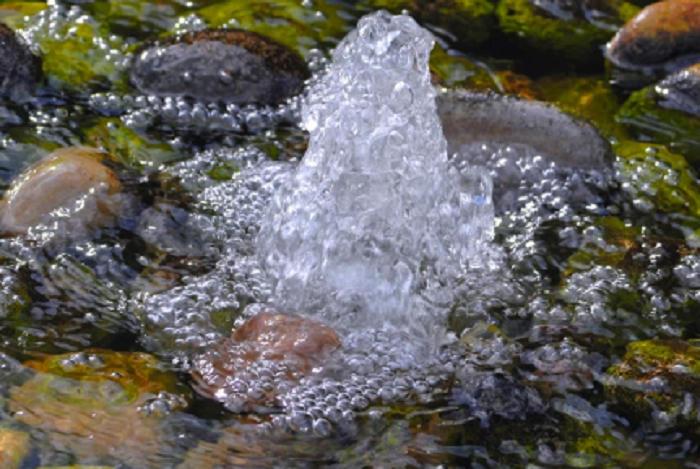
[533, 285]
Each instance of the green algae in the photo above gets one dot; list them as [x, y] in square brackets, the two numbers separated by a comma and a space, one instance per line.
[286, 21]
[646, 119]
[647, 167]
[656, 376]
[590, 98]
[136, 150]
[575, 41]
[13, 14]
[458, 71]
[471, 21]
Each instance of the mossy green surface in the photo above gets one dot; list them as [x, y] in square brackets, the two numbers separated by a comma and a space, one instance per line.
[286, 21]
[13, 13]
[575, 41]
[647, 165]
[673, 362]
[78, 57]
[646, 119]
[471, 21]
[591, 98]
[136, 150]
[456, 71]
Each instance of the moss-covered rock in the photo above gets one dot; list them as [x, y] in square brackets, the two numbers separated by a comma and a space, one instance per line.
[471, 21]
[656, 376]
[286, 21]
[100, 405]
[136, 150]
[591, 98]
[456, 71]
[647, 118]
[562, 33]
[79, 55]
[658, 180]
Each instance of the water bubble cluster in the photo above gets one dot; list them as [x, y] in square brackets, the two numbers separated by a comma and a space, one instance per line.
[376, 226]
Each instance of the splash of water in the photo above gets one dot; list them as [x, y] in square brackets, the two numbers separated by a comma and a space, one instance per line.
[376, 226]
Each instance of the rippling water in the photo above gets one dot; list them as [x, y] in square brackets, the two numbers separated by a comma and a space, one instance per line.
[572, 342]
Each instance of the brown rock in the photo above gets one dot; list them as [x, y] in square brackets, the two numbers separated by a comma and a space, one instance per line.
[662, 35]
[291, 345]
[57, 182]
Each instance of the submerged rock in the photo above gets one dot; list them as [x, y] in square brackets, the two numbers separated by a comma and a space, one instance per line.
[100, 405]
[71, 185]
[681, 90]
[492, 393]
[656, 384]
[20, 69]
[660, 114]
[79, 55]
[469, 118]
[266, 346]
[219, 65]
[662, 36]
[14, 447]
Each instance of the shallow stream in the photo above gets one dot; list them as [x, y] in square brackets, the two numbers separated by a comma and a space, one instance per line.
[521, 294]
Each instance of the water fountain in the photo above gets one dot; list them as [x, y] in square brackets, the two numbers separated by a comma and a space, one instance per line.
[376, 225]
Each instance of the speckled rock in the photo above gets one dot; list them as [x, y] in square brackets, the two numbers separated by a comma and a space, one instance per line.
[219, 65]
[72, 180]
[20, 69]
[289, 345]
[662, 36]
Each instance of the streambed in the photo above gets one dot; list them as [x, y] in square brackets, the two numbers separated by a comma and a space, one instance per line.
[570, 342]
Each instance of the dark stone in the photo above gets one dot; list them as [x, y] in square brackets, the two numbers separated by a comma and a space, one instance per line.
[492, 393]
[681, 90]
[20, 70]
[219, 65]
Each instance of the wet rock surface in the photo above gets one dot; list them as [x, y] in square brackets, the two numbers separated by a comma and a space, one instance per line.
[72, 180]
[117, 400]
[472, 117]
[663, 35]
[681, 90]
[219, 65]
[20, 69]
[266, 346]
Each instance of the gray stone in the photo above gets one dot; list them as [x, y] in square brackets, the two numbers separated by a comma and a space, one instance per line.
[219, 65]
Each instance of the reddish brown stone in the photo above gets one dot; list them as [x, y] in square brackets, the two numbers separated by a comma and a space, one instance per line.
[660, 34]
[291, 344]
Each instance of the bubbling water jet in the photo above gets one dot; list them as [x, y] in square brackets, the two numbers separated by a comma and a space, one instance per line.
[376, 227]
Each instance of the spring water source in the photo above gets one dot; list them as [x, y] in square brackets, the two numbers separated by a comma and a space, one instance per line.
[371, 233]
[376, 225]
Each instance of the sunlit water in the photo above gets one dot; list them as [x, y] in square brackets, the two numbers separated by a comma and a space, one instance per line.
[175, 276]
